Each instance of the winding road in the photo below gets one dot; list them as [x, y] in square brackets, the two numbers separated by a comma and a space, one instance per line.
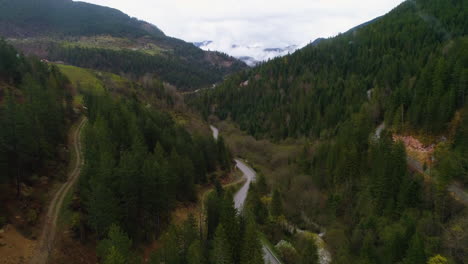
[46, 240]
[239, 199]
[241, 195]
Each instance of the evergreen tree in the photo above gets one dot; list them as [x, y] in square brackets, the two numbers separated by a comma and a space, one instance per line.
[116, 248]
[114, 257]
[213, 205]
[195, 253]
[230, 222]
[252, 252]
[221, 252]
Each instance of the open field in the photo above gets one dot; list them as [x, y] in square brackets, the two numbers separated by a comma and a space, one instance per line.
[115, 43]
[82, 78]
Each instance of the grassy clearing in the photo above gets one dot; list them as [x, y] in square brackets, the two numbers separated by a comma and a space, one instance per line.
[82, 78]
[95, 82]
[115, 43]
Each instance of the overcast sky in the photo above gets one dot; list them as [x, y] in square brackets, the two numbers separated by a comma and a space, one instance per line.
[270, 23]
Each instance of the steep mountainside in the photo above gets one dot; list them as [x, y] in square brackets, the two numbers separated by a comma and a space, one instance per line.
[411, 63]
[93, 36]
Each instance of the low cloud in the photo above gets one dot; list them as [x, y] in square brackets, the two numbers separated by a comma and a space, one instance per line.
[249, 22]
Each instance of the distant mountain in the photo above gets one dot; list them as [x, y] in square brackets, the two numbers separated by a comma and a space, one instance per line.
[103, 38]
[203, 43]
[250, 54]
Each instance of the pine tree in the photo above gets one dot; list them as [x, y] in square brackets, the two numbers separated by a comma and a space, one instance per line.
[102, 207]
[251, 247]
[221, 252]
[116, 248]
[189, 233]
[115, 257]
[230, 222]
[195, 253]
[213, 204]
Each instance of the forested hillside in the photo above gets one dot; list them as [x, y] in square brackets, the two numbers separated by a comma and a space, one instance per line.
[408, 69]
[141, 165]
[138, 163]
[35, 102]
[88, 35]
[226, 237]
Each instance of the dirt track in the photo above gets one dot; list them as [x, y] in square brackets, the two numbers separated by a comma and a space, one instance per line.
[46, 240]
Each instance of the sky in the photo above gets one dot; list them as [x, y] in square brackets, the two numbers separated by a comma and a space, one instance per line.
[256, 23]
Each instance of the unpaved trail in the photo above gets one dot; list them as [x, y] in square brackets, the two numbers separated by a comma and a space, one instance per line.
[46, 240]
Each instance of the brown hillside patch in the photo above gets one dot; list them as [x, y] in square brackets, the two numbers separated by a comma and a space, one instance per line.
[14, 247]
[416, 149]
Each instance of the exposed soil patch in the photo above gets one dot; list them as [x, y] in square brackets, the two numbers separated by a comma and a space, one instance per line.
[415, 149]
[14, 247]
[414, 144]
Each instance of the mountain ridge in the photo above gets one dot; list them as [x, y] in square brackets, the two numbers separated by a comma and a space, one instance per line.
[62, 30]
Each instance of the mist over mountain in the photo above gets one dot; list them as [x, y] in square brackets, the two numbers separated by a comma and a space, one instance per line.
[251, 54]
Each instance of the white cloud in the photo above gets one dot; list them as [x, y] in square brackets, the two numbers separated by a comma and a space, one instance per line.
[270, 23]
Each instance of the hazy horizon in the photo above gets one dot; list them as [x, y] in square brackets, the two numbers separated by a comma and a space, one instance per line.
[260, 23]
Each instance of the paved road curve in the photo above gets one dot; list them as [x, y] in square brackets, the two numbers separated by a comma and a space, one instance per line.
[215, 132]
[46, 240]
[241, 195]
[239, 199]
